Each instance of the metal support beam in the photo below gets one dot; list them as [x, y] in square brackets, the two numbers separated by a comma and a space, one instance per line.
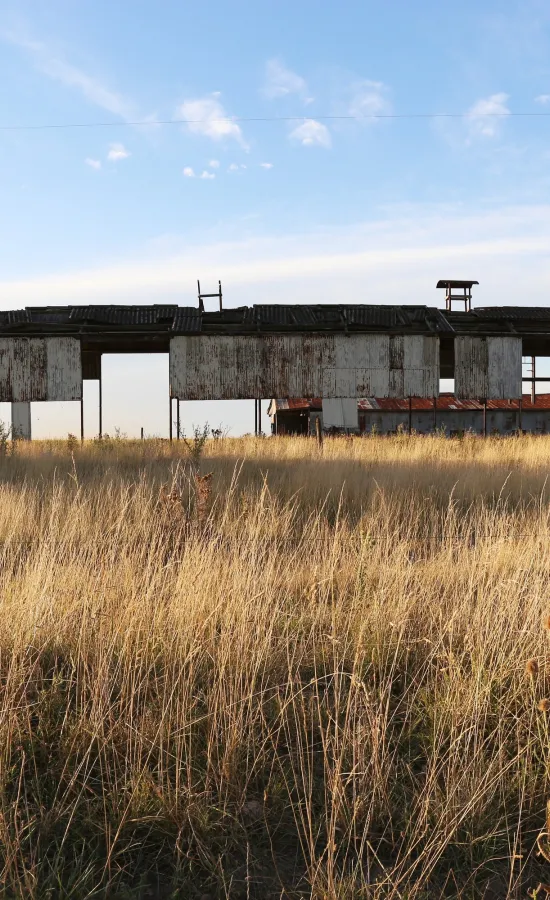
[100, 402]
[21, 421]
[170, 424]
[82, 416]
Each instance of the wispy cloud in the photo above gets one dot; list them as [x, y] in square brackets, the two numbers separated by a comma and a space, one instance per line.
[281, 81]
[92, 88]
[207, 117]
[214, 164]
[543, 99]
[485, 117]
[117, 152]
[266, 165]
[233, 167]
[311, 133]
[93, 163]
[368, 98]
[403, 250]
[189, 172]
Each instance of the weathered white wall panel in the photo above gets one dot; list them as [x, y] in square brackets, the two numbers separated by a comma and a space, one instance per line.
[342, 413]
[488, 368]
[64, 369]
[40, 369]
[225, 367]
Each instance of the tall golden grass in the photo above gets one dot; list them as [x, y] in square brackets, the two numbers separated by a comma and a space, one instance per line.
[315, 674]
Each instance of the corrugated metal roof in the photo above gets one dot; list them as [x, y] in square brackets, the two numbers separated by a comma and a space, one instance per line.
[273, 318]
[450, 402]
[296, 404]
[187, 319]
[124, 315]
[444, 402]
[512, 312]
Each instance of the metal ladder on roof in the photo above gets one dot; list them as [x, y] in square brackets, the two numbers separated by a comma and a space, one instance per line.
[528, 373]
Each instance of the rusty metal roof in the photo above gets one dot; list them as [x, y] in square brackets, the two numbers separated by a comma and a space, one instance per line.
[445, 403]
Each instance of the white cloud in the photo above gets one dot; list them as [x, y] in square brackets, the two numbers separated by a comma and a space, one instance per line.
[117, 152]
[206, 116]
[543, 98]
[233, 167]
[58, 69]
[266, 165]
[368, 98]
[205, 174]
[485, 117]
[93, 163]
[214, 164]
[280, 81]
[311, 133]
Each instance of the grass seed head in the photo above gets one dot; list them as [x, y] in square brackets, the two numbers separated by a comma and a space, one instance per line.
[532, 668]
[544, 705]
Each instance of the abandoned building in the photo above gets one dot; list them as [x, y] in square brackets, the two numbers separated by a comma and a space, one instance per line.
[446, 414]
[340, 352]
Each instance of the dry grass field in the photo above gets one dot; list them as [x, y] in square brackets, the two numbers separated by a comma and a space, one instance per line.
[314, 674]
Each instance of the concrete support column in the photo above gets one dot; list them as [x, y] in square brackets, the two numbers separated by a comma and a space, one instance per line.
[21, 421]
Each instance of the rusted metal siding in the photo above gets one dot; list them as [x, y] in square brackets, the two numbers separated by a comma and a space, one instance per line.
[40, 369]
[226, 367]
[488, 368]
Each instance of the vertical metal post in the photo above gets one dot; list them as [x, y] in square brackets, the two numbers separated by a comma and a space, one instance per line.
[100, 402]
[259, 416]
[533, 383]
[142, 432]
[82, 415]
[170, 427]
[318, 431]
[255, 416]
[178, 431]
[410, 416]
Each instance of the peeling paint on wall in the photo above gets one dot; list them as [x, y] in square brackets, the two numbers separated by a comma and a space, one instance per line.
[40, 369]
[488, 368]
[233, 367]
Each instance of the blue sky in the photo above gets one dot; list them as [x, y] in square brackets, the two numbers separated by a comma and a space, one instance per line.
[308, 209]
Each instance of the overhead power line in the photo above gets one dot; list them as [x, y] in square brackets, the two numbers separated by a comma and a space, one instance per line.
[239, 119]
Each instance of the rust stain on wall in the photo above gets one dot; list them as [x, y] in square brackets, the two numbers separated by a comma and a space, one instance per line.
[34, 369]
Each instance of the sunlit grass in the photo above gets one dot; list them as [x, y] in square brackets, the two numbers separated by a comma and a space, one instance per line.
[316, 674]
